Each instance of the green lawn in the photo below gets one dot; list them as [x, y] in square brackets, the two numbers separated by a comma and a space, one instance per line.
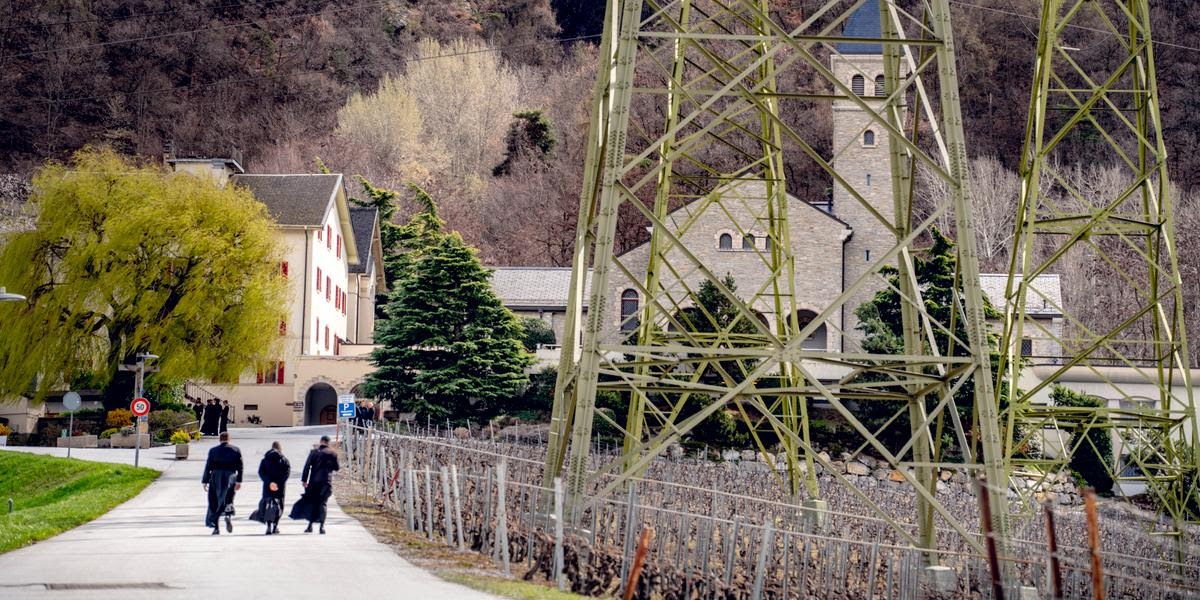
[51, 495]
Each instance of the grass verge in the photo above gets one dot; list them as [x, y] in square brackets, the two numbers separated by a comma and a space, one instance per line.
[51, 495]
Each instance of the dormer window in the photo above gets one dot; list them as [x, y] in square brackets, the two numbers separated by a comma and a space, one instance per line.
[868, 139]
[879, 86]
[725, 242]
[748, 242]
[858, 85]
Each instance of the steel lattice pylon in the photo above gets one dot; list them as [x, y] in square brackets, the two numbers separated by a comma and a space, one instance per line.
[1117, 236]
[715, 69]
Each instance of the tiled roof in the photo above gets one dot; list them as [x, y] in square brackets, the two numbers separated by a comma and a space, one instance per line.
[864, 23]
[534, 287]
[362, 222]
[1042, 299]
[292, 199]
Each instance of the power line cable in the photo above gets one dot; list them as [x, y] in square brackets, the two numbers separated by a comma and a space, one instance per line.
[1071, 25]
[299, 71]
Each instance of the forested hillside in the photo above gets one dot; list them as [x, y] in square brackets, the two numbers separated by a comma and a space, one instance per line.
[483, 102]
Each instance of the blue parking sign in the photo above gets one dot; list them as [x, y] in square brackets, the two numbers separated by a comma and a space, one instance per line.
[345, 406]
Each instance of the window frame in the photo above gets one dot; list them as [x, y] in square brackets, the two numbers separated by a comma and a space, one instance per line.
[869, 139]
[629, 298]
[749, 242]
[858, 85]
[721, 242]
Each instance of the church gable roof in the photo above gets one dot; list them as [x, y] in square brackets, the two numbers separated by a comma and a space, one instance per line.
[299, 200]
[1041, 300]
[863, 23]
[535, 287]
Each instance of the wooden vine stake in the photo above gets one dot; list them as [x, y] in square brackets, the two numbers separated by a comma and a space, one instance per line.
[639, 558]
[1089, 502]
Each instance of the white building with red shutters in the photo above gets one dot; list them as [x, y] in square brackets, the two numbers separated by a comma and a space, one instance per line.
[334, 268]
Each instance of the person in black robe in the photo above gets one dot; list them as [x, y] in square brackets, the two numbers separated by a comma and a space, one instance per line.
[212, 413]
[273, 471]
[199, 410]
[222, 477]
[224, 424]
[317, 479]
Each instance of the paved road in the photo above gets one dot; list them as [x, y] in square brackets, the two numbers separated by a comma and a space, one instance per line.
[156, 545]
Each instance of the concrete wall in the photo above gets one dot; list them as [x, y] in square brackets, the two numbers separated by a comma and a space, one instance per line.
[342, 373]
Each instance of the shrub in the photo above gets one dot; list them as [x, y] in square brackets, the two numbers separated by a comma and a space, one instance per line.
[119, 417]
[5, 430]
[169, 420]
[1092, 444]
[180, 437]
[195, 435]
[535, 332]
[539, 392]
[108, 433]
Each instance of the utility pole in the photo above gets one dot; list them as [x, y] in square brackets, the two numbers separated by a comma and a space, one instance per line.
[141, 379]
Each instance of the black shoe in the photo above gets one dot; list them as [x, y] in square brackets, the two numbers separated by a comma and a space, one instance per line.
[216, 531]
[269, 532]
[322, 529]
[309, 530]
[228, 524]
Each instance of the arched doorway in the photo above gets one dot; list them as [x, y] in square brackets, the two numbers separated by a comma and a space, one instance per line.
[817, 340]
[320, 405]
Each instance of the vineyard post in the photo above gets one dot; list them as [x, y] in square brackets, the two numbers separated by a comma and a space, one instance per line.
[446, 512]
[458, 506]
[558, 534]
[768, 543]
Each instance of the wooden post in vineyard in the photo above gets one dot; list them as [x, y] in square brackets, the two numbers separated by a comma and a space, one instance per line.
[1089, 503]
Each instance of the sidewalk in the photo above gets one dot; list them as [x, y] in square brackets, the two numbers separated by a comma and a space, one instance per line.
[156, 545]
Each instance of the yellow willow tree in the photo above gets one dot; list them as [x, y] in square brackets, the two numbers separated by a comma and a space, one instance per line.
[127, 259]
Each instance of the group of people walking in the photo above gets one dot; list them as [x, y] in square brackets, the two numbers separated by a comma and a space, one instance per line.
[213, 416]
[223, 478]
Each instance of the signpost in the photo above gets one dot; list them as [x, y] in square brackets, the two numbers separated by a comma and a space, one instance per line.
[345, 410]
[72, 402]
[140, 407]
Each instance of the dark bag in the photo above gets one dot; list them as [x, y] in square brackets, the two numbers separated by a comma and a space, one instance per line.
[268, 511]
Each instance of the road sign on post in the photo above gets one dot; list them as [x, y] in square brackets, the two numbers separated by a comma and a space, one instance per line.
[140, 407]
[345, 406]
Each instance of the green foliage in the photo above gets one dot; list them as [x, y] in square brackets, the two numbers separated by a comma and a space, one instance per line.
[880, 320]
[536, 332]
[168, 420]
[530, 138]
[51, 495]
[539, 393]
[108, 433]
[180, 437]
[448, 347]
[119, 417]
[1092, 457]
[127, 258]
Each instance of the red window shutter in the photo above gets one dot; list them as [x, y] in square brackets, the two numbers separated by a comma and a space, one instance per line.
[339, 247]
[279, 378]
[318, 279]
[318, 330]
[328, 288]
[337, 298]
[326, 337]
[283, 268]
[320, 234]
[345, 297]
[260, 376]
[328, 237]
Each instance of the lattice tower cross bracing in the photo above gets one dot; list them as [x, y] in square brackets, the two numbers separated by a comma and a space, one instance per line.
[717, 68]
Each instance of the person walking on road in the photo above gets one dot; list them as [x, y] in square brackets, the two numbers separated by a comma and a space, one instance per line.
[274, 471]
[212, 414]
[317, 479]
[224, 416]
[222, 477]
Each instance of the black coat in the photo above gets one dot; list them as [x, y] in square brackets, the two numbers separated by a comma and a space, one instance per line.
[221, 472]
[276, 469]
[319, 468]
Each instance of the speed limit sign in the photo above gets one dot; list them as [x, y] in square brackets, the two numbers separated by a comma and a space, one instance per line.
[140, 406]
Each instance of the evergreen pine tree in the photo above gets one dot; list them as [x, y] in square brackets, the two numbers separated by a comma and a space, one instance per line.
[449, 348]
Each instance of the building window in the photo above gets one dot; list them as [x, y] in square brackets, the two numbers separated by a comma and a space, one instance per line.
[869, 138]
[339, 247]
[868, 180]
[748, 242]
[337, 298]
[337, 345]
[318, 330]
[725, 242]
[1026, 347]
[328, 288]
[249, 407]
[868, 257]
[326, 337]
[858, 85]
[272, 374]
[318, 279]
[328, 237]
[320, 235]
[879, 86]
[767, 241]
[283, 269]
[283, 328]
[344, 298]
[629, 308]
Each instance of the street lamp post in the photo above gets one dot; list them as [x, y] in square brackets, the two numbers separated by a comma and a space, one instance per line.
[7, 297]
[141, 379]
